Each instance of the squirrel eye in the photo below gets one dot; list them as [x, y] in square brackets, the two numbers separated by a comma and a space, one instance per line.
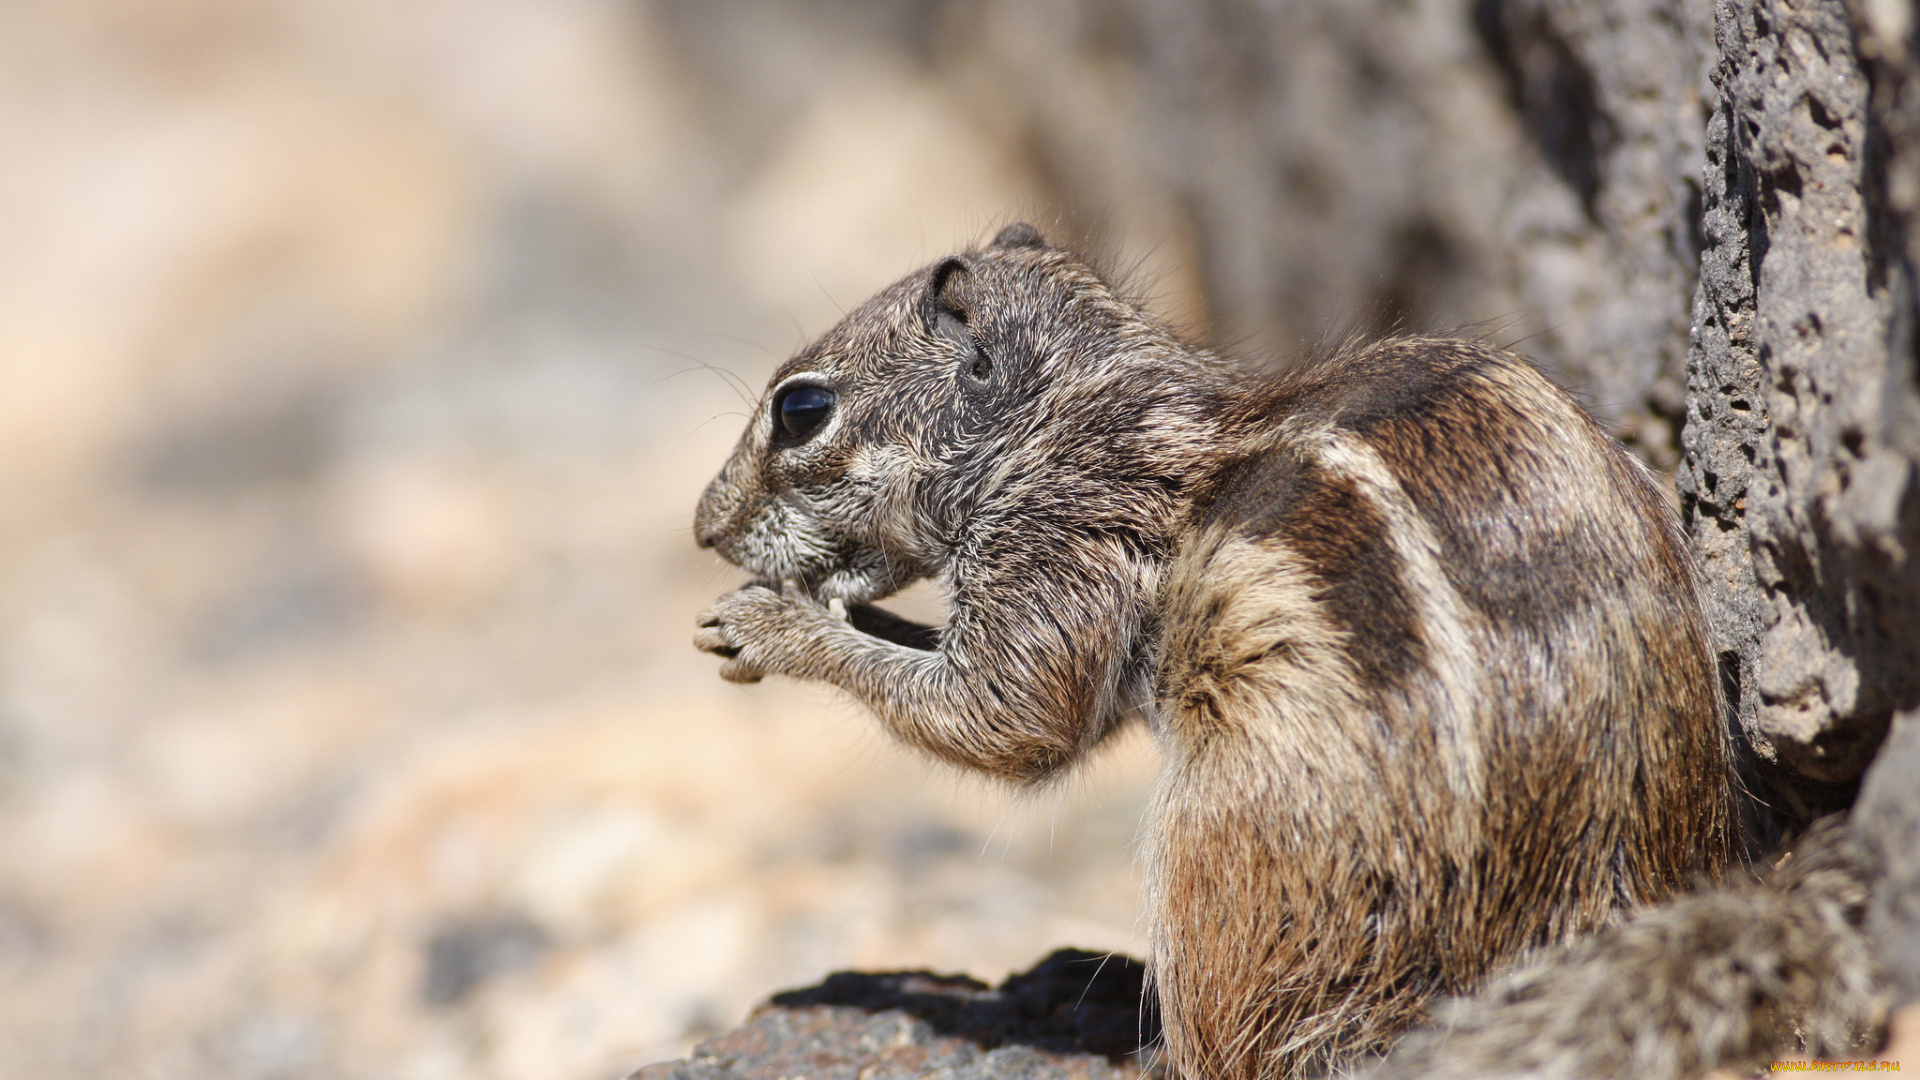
[800, 411]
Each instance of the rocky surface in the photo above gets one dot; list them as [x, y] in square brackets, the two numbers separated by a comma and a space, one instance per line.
[1800, 484]
[1075, 1016]
[1528, 167]
[1886, 826]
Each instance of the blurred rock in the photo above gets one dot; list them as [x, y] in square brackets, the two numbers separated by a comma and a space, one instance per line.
[267, 440]
[464, 954]
[363, 362]
[434, 535]
[1886, 832]
[832, 202]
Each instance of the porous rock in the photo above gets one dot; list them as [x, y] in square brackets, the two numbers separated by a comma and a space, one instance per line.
[1803, 427]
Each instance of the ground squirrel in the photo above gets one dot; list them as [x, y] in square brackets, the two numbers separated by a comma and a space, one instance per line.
[1419, 643]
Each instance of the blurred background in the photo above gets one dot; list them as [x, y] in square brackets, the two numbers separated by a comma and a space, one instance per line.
[360, 365]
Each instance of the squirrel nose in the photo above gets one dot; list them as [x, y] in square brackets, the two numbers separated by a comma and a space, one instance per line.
[711, 515]
[707, 526]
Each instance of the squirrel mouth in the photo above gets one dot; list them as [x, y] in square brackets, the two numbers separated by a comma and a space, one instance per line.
[849, 580]
[849, 576]
[844, 585]
[841, 584]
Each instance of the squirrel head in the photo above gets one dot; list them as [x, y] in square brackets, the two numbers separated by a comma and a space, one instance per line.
[871, 444]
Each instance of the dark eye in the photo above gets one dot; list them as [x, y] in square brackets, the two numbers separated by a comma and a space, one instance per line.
[800, 411]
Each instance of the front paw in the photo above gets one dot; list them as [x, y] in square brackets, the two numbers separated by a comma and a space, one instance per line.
[755, 630]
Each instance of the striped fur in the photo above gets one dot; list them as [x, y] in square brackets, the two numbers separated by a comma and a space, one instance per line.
[1419, 643]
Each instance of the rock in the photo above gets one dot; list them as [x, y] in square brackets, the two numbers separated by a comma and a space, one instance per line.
[1803, 426]
[1077, 1015]
[1886, 832]
[466, 953]
[1443, 163]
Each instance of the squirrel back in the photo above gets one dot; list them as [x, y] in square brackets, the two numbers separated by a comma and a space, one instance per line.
[1435, 690]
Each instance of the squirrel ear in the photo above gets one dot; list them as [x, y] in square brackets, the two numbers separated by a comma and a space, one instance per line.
[945, 311]
[1019, 234]
[947, 279]
[947, 275]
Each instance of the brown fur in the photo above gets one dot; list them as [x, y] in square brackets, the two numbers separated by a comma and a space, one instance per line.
[1420, 644]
